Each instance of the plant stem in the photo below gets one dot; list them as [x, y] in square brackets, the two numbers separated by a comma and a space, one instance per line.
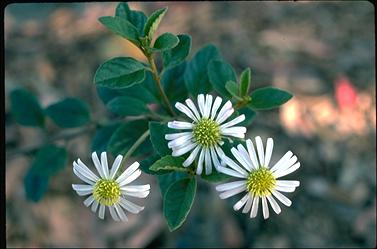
[156, 78]
[139, 141]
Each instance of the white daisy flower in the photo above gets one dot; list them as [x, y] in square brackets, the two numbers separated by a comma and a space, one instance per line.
[107, 190]
[206, 131]
[258, 180]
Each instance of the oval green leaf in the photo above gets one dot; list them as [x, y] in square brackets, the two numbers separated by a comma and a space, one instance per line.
[165, 41]
[102, 137]
[122, 27]
[232, 88]
[178, 201]
[69, 113]
[268, 98]
[157, 137]
[136, 18]
[196, 78]
[169, 163]
[179, 53]
[120, 72]
[153, 21]
[245, 81]
[220, 72]
[127, 106]
[25, 108]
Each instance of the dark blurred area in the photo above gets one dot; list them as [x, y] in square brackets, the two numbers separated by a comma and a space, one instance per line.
[323, 52]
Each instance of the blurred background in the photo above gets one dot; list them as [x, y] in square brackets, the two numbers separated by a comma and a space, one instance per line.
[323, 52]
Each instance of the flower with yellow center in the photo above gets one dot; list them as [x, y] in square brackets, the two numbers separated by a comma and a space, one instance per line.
[206, 131]
[258, 180]
[108, 190]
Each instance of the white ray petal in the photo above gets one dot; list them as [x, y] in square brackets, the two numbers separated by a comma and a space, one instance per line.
[131, 169]
[225, 116]
[259, 143]
[82, 187]
[239, 204]
[208, 105]
[113, 213]
[131, 178]
[192, 157]
[234, 191]
[183, 150]
[241, 159]
[281, 173]
[282, 161]
[226, 107]
[173, 136]
[105, 167]
[201, 103]
[84, 192]
[193, 108]
[136, 194]
[247, 207]
[275, 206]
[245, 155]
[121, 213]
[287, 164]
[230, 172]
[266, 213]
[182, 145]
[252, 154]
[136, 188]
[116, 165]
[282, 198]
[233, 130]
[94, 206]
[285, 189]
[84, 170]
[101, 212]
[215, 159]
[178, 141]
[235, 121]
[230, 185]
[215, 107]
[180, 125]
[254, 209]
[130, 206]
[181, 107]
[287, 183]
[97, 164]
[207, 161]
[82, 177]
[89, 200]
[199, 168]
[269, 147]
[234, 166]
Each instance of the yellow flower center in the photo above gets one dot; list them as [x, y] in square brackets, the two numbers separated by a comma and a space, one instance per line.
[261, 182]
[206, 132]
[106, 192]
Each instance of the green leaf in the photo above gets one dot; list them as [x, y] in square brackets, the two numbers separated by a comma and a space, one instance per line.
[127, 106]
[126, 135]
[148, 162]
[196, 78]
[169, 163]
[178, 201]
[35, 185]
[25, 108]
[102, 137]
[174, 84]
[216, 177]
[249, 116]
[219, 73]
[268, 98]
[153, 21]
[165, 180]
[120, 72]
[245, 81]
[145, 91]
[136, 18]
[165, 41]
[232, 88]
[157, 137]
[179, 53]
[122, 27]
[69, 113]
[49, 160]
